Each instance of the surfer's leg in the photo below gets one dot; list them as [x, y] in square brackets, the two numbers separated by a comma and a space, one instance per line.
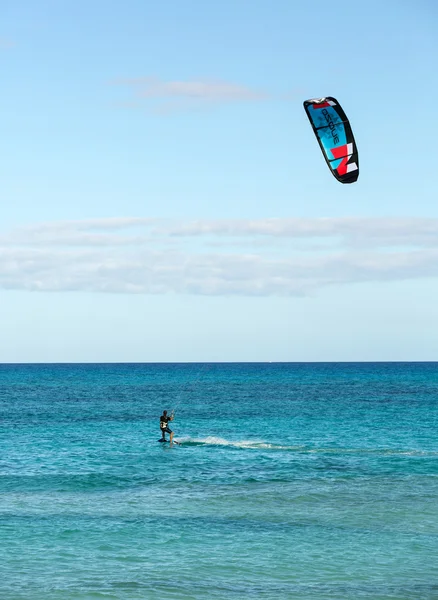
[171, 437]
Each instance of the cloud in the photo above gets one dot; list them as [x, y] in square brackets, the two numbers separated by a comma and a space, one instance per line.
[261, 257]
[167, 96]
[6, 44]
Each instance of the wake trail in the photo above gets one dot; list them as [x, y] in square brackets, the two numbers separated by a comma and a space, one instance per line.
[215, 441]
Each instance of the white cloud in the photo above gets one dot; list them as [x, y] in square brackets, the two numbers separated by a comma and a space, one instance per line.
[166, 96]
[249, 257]
[6, 44]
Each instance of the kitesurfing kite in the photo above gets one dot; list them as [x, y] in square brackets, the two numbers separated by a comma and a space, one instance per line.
[335, 137]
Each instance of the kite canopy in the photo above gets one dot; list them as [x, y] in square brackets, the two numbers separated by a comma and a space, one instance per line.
[335, 137]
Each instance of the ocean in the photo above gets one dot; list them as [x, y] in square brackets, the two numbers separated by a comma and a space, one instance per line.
[307, 481]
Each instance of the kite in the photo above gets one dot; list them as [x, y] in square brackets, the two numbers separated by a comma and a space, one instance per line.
[333, 132]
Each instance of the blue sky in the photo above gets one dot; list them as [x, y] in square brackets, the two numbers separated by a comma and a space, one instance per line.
[164, 198]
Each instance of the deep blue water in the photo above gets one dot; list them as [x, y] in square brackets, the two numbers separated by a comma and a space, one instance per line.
[302, 481]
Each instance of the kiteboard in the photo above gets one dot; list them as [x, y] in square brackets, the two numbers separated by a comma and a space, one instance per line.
[174, 442]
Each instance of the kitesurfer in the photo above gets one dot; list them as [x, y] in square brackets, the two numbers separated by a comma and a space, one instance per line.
[164, 420]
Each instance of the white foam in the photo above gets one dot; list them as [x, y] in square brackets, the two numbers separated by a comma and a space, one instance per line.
[218, 441]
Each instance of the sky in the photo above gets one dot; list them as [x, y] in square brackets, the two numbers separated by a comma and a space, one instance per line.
[163, 197]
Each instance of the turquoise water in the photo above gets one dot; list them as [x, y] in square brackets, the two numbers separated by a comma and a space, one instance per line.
[306, 481]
